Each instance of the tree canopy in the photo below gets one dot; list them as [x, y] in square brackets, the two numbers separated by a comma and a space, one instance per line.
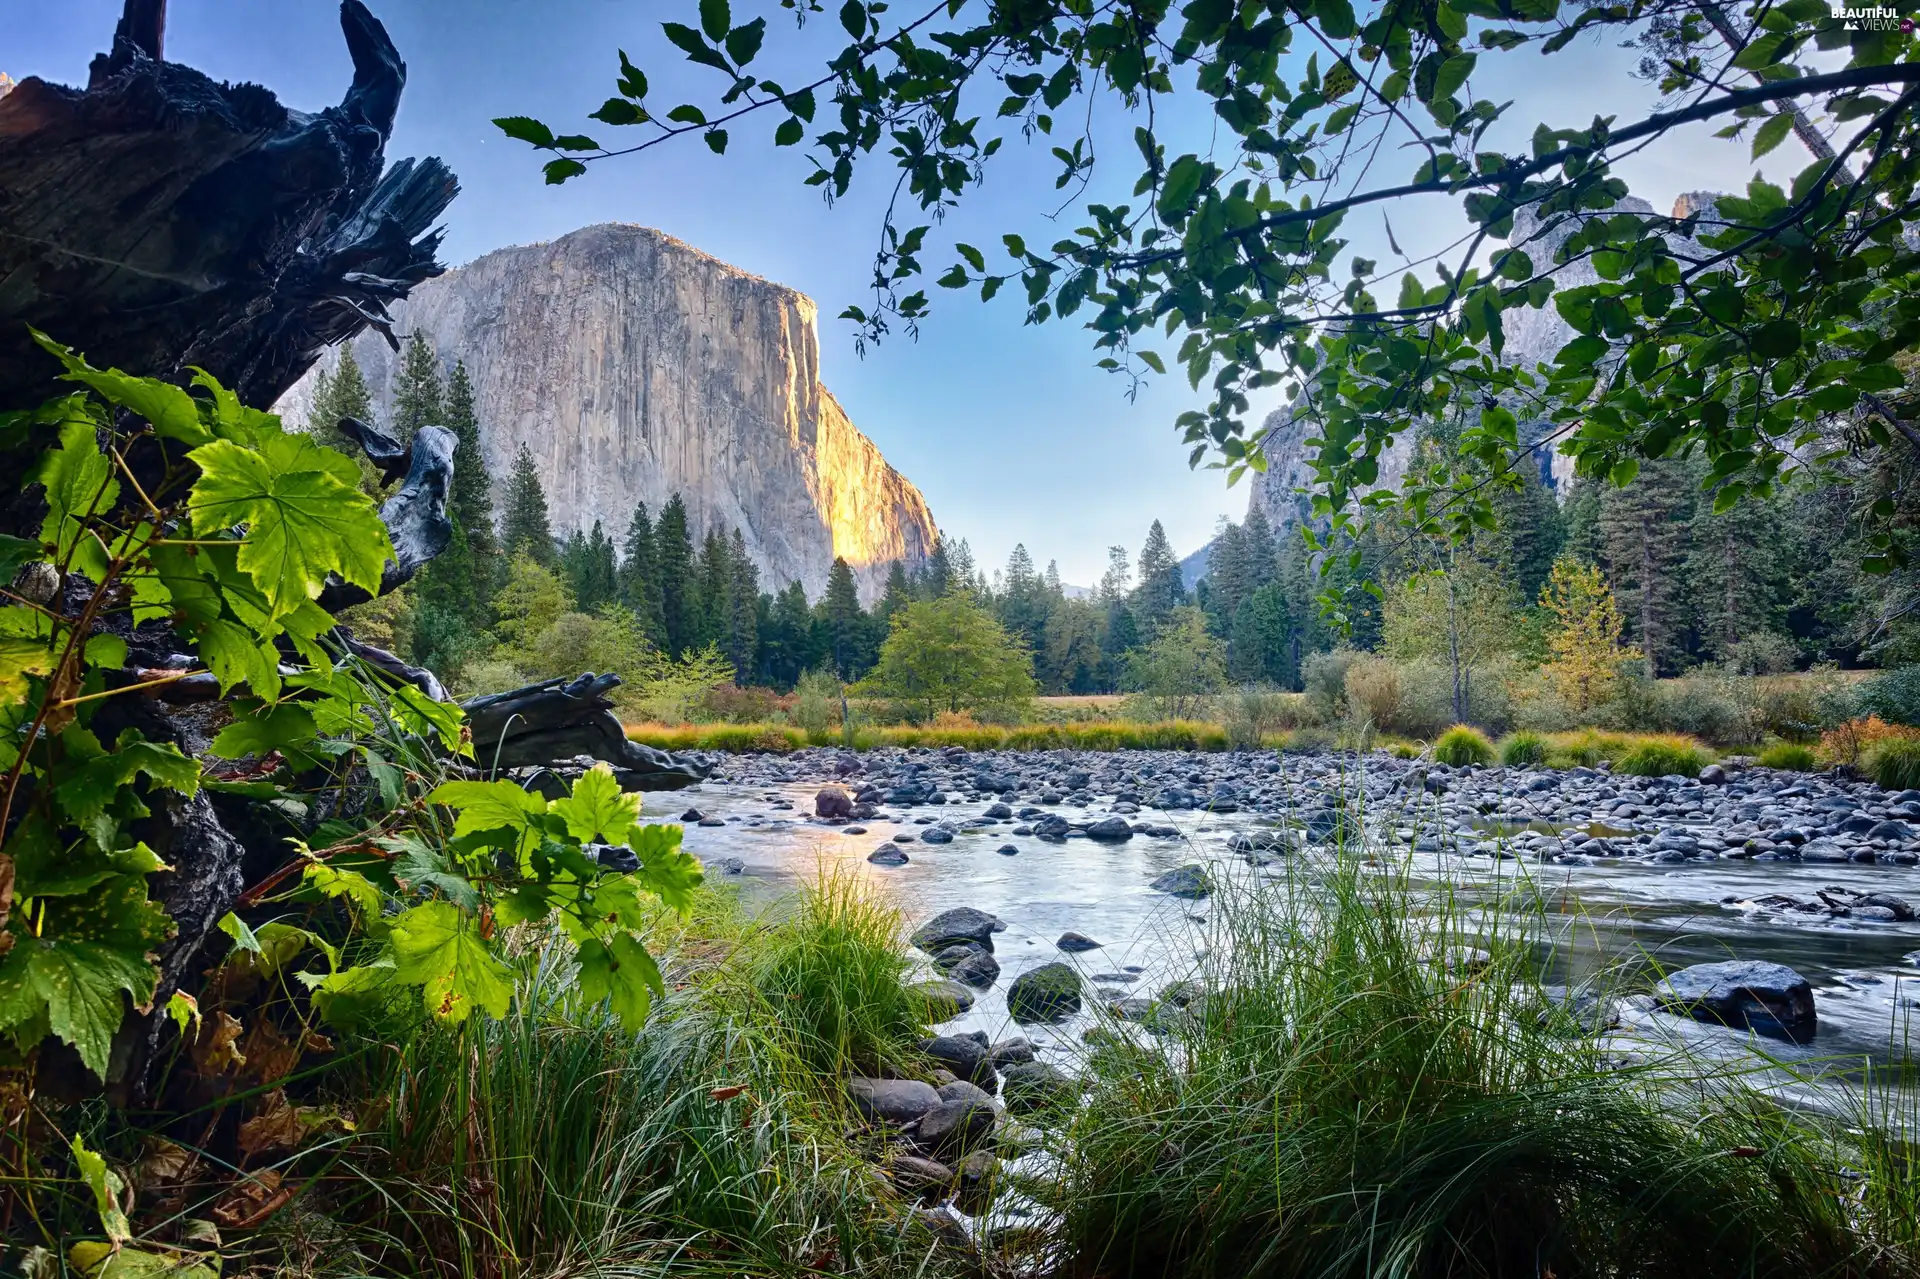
[1735, 332]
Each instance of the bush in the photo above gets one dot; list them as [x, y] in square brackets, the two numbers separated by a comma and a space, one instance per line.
[1895, 763]
[1788, 757]
[732, 704]
[1846, 743]
[1373, 693]
[1893, 696]
[1463, 744]
[815, 700]
[1523, 750]
[1256, 712]
[1800, 708]
[1325, 678]
[490, 675]
[1661, 758]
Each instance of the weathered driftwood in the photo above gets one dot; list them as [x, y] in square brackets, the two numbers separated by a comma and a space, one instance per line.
[415, 516]
[559, 719]
[159, 220]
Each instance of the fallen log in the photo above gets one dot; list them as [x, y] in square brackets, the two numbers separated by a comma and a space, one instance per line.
[559, 719]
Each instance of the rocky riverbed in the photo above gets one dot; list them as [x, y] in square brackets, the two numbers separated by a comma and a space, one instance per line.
[1103, 861]
[1050, 893]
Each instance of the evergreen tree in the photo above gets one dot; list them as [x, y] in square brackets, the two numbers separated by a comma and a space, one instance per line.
[470, 500]
[1260, 646]
[639, 578]
[936, 576]
[714, 575]
[525, 529]
[786, 641]
[898, 594]
[576, 570]
[1736, 569]
[1160, 590]
[742, 642]
[1023, 604]
[844, 623]
[1228, 579]
[600, 583]
[1643, 528]
[1117, 581]
[1072, 652]
[1528, 534]
[1580, 520]
[679, 591]
[418, 397]
[1122, 636]
[340, 393]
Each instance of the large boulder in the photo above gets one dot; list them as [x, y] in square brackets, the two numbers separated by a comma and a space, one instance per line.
[966, 1057]
[1110, 830]
[1050, 992]
[1034, 1085]
[945, 999]
[832, 802]
[1771, 999]
[956, 926]
[956, 1127]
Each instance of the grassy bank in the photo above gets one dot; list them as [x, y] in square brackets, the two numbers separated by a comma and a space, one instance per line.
[1558, 750]
[1358, 1093]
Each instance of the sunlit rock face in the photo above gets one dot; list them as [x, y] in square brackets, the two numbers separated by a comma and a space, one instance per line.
[634, 367]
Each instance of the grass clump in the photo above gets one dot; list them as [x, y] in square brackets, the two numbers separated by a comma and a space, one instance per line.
[1789, 757]
[1661, 757]
[1343, 1103]
[1463, 744]
[1894, 763]
[711, 1144]
[1523, 750]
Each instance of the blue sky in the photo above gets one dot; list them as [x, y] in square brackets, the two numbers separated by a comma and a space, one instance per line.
[1010, 431]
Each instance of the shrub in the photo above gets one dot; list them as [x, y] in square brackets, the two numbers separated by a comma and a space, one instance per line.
[1846, 743]
[1893, 696]
[490, 675]
[1800, 708]
[1256, 712]
[1325, 678]
[814, 699]
[1658, 757]
[1373, 693]
[1789, 757]
[1895, 763]
[1463, 744]
[1523, 750]
[732, 704]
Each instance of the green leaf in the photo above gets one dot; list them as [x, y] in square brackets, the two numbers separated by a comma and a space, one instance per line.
[621, 971]
[1776, 339]
[694, 47]
[107, 1187]
[287, 728]
[237, 656]
[853, 18]
[330, 881]
[301, 525]
[1177, 191]
[243, 936]
[559, 171]
[485, 806]
[715, 18]
[576, 142]
[665, 869]
[438, 948]
[1582, 352]
[525, 129]
[1771, 134]
[170, 409]
[687, 113]
[14, 553]
[619, 111]
[80, 487]
[78, 985]
[743, 42]
[716, 140]
[1452, 74]
[789, 132]
[597, 810]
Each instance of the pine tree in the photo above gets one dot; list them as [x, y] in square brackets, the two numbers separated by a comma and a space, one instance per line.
[337, 394]
[742, 642]
[897, 595]
[1160, 590]
[1023, 604]
[1644, 531]
[1121, 636]
[418, 397]
[471, 499]
[463, 579]
[576, 570]
[639, 578]
[1260, 645]
[1117, 581]
[524, 526]
[597, 583]
[714, 574]
[844, 622]
[784, 643]
[1737, 571]
[936, 576]
[679, 591]
[1528, 535]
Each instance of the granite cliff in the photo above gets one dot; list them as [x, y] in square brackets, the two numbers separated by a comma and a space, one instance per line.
[633, 366]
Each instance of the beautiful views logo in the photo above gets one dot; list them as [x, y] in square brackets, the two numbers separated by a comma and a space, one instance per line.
[1869, 17]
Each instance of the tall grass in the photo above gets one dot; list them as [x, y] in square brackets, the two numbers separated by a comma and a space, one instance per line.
[1346, 1100]
[1101, 735]
[713, 1143]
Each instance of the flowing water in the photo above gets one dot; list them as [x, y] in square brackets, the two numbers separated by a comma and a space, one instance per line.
[1866, 975]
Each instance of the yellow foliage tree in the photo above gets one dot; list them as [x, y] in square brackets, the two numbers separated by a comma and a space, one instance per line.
[1584, 644]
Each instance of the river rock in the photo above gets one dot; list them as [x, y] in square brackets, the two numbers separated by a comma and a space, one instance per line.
[1050, 992]
[1766, 997]
[888, 854]
[916, 1176]
[936, 835]
[961, 924]
[1110, 830]
[1033, 1085]
[956, 1127]
[965, 1056]
[1076, 943]
[892, 1101]
[832, 802]
[945, 999]
[979, 969]
[1190, 881]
